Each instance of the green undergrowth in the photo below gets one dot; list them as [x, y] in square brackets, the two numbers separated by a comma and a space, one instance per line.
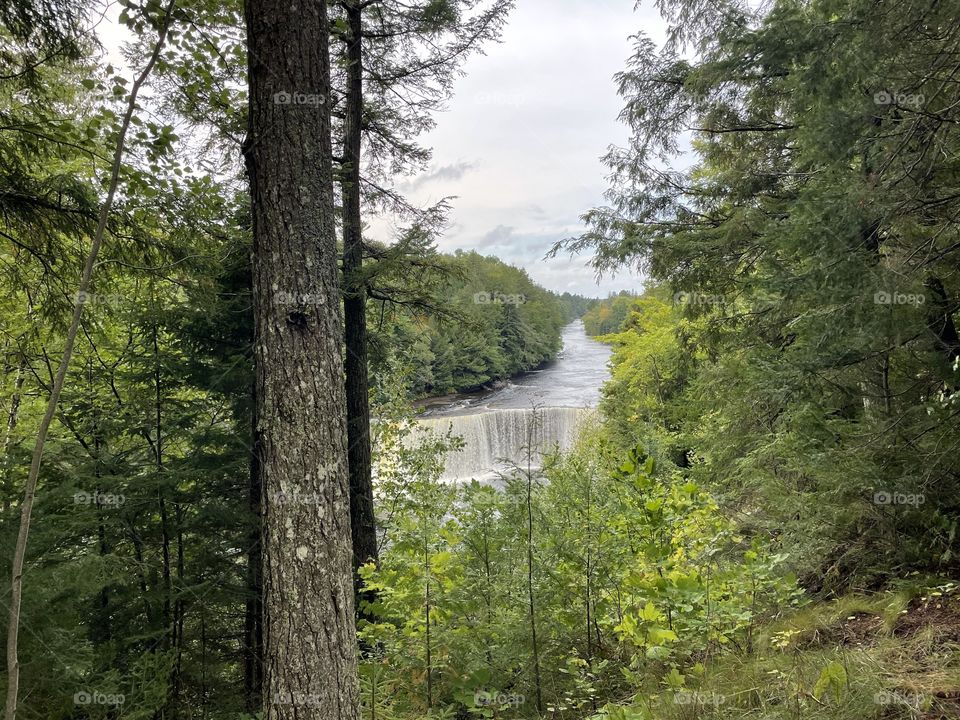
[892, 654]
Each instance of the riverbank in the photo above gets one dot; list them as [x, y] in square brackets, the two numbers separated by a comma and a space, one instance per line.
[537, 410]
[469, 396]
[573, 379]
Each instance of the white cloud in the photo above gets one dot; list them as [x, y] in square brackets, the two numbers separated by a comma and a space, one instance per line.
[532, 117]
[444, 174]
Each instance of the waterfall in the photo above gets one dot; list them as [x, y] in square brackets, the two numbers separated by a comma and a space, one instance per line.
[495, 436]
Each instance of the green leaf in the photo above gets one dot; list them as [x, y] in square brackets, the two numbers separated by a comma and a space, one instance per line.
[661, 636]
[674, 679]
[833, 677]
[650, 613]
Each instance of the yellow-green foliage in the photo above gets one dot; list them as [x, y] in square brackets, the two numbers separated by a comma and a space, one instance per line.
[834, 661]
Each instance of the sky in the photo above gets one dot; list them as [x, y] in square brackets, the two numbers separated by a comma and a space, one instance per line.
[521, 141]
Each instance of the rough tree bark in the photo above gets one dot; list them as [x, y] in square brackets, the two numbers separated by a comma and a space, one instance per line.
[310, 651]
[363, 522]
[253, 614]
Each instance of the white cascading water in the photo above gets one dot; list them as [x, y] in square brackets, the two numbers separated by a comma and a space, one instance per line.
[496, 438]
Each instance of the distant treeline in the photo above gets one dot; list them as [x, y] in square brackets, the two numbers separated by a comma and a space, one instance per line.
[491, 322]
[607, 316]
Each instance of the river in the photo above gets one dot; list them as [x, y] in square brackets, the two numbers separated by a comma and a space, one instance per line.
[542, 409]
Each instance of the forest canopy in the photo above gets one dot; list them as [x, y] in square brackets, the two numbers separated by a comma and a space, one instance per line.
[496, 324]
[216, 497]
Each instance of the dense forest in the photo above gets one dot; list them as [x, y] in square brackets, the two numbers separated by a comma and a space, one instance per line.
[607, 316]
[198, 517]
[489, 322]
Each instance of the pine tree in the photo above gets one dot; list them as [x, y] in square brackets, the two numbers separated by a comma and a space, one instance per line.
[309, 634]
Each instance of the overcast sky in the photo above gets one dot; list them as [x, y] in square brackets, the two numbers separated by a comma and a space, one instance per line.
[521, 142]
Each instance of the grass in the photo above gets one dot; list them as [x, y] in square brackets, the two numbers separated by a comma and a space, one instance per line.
[890, 655]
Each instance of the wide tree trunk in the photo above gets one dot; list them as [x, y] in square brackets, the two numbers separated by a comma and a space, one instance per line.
[363, 522]
[253, 613]
[310, 652]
